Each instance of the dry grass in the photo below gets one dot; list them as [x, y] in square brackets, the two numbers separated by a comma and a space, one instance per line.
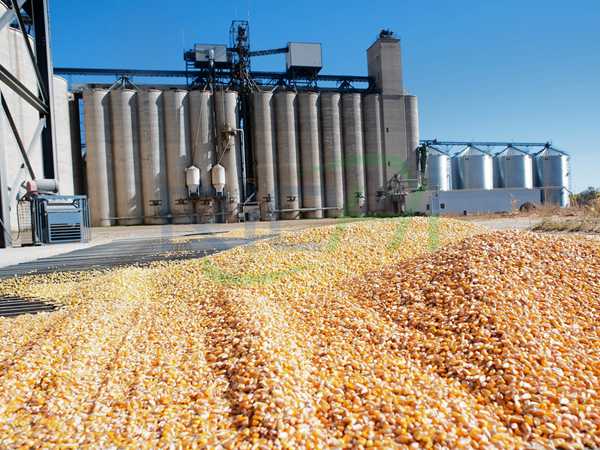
[577, 219]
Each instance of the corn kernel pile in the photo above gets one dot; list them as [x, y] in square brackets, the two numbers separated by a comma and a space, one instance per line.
[351, 336]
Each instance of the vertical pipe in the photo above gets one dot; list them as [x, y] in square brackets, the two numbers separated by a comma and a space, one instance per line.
[354, 155]
[332, 153]
[62, 131]
[99, 161]
[226, 106]
[125, 144]
[310, 151]
[43, 58]
[264, 150]
[287, 154]
[203, 149]
[177, 145]
[76, 156]
[373, 151]
[412, 132]
[153, 157]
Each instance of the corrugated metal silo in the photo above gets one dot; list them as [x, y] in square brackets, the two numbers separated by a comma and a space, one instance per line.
[475, 168]
[438, 170]
[179, 158]
[264, 149]
[99, 162]
[515, 168]
[310, 150]
[553, 171]
[287, 154]
[354, 155]
[62, 131]
[203, 147]
[332, 153]
[411, 111]
[153, 157]
[226, 107]
[126, 153]
[373, 151]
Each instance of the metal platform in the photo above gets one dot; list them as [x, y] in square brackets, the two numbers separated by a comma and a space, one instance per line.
[126, 252]
[15, 306]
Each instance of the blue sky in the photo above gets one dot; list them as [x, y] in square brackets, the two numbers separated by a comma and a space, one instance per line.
[486, 70]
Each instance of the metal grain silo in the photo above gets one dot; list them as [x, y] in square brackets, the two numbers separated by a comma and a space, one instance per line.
[126, 154]
[332, 153]
[62, 131]
[177, 146]
[515, 168]
[99, 161]
[203, 147]
[411, 111]
[287, 154]
[475, 168]
[265, 151]
[153, 157]
[310, 151]
[354, 155]
[227, 123]
[373, 151]
[553, 171]
[438, 170]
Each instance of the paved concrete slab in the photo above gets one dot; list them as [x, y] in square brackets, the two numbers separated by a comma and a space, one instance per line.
[157, 237]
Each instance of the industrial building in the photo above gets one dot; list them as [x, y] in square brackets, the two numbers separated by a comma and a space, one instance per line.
[476, 180]
[227, 143]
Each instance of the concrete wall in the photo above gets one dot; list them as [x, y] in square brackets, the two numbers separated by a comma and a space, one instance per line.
[14, 56]
[399, 124]
[471, 201]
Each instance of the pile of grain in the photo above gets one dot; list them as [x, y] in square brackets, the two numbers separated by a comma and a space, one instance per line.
[348, 336]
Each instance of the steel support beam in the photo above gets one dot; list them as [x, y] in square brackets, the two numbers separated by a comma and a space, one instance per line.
[44, 63]
[13, 83]
[9, 15]
[257, 75]
[5, 238]
[484, 143]
[17, 10]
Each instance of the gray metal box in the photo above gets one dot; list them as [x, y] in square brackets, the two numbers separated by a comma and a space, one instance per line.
[202, 52]
[304, 55]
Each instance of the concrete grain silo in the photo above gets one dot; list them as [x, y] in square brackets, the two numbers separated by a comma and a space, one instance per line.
[356, 202]
[265, 153]
[126, 154]
[287, 155]
[179, 157]
[203, 148]
[310, 151]
[333, 164]
[99, 159]
[374, 169]
[229, 153]
[153, 156]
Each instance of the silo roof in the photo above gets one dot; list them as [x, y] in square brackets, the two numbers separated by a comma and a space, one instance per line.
[431, 148]
[512, 151]
[550, 151]
[471, 150]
